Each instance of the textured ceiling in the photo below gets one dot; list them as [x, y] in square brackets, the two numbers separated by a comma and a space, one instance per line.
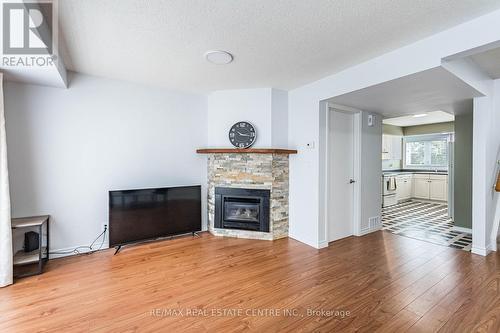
[276, 43]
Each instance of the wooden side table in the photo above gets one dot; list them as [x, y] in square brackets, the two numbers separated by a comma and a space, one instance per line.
[41, 255]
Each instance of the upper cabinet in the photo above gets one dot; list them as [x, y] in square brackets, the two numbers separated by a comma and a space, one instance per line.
[392, 147]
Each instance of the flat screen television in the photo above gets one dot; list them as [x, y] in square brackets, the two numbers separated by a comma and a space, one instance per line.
[145, 214]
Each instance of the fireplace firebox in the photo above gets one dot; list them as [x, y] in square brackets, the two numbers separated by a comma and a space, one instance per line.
[245, 209]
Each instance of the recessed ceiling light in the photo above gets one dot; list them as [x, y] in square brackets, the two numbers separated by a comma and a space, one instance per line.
[219, 57]
[419, 115]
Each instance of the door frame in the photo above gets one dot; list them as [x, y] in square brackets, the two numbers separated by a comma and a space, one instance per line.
[356, 203]
[451, 176]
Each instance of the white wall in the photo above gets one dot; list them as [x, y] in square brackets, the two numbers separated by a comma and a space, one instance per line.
[481, 152]
[265, 108]
[67, 148]
[227, 107]
[279, 119]
[304, 109]
[492, 155]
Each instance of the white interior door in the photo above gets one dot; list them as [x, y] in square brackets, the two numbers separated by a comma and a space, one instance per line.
[341, 173]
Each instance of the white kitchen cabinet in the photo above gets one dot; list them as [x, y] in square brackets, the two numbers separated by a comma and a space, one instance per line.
[386, 147]
[421, 187]
[430, 187]
[438, 187]
[404, 187]
[396, 147]
[392, 147]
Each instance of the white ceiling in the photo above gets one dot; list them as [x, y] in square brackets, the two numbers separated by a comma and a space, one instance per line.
[422, 119]
[427, 91]
[275, 43]
[489, 61]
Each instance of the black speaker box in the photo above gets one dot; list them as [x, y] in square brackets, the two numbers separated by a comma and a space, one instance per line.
[31, 241]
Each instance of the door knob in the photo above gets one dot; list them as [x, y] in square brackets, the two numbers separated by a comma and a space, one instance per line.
[351, 181]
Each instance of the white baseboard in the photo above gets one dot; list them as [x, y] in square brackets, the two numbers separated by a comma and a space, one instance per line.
[307, 242]
[461, 229]
[482, 251]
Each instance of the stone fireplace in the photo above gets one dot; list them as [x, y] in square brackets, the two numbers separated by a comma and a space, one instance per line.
[248, 192]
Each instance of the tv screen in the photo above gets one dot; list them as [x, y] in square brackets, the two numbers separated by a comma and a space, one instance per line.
[143, 214]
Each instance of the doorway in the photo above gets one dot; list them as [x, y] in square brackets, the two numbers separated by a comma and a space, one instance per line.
[418, 167]
[342, 185]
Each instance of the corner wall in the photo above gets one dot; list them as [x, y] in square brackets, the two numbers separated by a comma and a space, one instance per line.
[69, 147]
[265, 108]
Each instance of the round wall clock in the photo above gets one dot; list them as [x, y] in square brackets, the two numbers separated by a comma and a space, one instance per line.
[242, 134]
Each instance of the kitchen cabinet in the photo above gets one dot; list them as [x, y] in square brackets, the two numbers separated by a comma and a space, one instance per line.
[397, 147]
[385, 147]
[392, 146]
[424, 186]
[430, 187]
[404, 187]
[421, 188]
[438, 188]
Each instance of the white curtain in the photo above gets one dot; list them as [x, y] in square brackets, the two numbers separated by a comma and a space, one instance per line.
[5, 226]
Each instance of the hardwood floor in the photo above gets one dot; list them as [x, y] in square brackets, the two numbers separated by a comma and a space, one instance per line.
[380, 282]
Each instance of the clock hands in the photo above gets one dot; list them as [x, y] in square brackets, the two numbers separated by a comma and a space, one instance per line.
[239, 133]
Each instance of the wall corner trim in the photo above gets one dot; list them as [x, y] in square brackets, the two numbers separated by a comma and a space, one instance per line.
[322, 244]
[314, 244]
[482, 251]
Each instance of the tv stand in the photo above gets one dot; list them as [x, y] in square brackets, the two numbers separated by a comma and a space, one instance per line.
[118, 247]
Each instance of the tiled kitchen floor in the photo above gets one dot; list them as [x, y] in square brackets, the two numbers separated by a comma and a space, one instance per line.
[426, 221]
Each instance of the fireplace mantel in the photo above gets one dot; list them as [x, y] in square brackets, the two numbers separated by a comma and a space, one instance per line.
[246, 151]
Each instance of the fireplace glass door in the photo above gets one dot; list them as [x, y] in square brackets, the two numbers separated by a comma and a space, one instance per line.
[242, 210]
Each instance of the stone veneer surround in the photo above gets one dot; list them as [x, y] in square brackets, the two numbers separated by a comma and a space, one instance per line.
[253, 171]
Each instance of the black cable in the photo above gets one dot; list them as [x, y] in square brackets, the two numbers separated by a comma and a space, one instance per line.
[75, 250]
[103, 239]
[102, 233]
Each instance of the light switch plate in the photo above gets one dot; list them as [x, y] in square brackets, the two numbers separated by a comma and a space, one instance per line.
[371, 120]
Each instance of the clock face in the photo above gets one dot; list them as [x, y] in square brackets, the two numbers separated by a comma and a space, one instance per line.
[242, 135]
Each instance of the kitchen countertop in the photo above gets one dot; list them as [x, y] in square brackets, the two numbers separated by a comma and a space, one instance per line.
[409, 172]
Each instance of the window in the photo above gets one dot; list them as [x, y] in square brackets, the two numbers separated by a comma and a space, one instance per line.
[429, 151]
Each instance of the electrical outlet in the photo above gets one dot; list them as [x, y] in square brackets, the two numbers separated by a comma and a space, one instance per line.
[105, 227]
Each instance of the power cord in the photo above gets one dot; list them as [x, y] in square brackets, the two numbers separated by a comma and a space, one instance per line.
[91, 250]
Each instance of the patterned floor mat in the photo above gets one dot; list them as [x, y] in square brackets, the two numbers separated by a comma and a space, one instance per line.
[426, 221]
